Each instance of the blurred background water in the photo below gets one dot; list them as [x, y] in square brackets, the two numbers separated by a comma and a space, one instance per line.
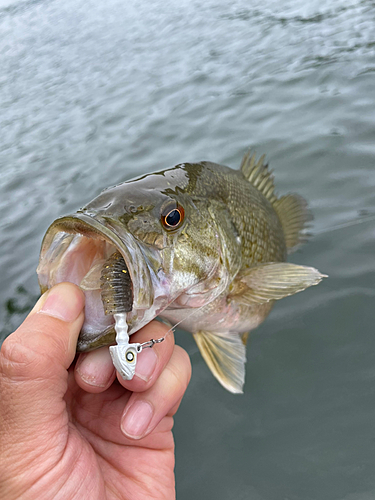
[93, 93]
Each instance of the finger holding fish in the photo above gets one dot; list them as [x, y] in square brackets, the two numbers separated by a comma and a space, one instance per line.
[94, 371]
[134, 415]
[145, 410]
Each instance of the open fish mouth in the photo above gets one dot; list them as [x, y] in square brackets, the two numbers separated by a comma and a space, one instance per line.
[106, 262]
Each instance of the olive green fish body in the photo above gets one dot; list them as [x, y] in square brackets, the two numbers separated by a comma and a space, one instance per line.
[255, 235]
[199, 243]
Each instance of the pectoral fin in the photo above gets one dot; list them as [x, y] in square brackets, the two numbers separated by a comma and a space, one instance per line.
[273, 281]
[225, 355]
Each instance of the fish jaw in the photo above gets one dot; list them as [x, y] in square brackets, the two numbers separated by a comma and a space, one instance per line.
[74, 249]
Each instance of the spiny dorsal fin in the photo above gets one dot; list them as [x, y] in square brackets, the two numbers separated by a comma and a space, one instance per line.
[258, 174]
[291, 209]
[225, 355]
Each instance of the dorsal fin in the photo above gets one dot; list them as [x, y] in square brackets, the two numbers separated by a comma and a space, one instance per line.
[294, 216]
[258, 174]
[291, 209]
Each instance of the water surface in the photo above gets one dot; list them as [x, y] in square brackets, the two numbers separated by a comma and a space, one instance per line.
[93, 93]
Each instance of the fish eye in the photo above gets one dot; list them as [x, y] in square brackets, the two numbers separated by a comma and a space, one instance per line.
[172, 218]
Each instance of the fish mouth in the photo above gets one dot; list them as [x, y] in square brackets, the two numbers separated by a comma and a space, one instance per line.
[76, 248]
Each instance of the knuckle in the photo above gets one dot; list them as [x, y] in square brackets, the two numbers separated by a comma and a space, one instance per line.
[24, 355]
[15, 358]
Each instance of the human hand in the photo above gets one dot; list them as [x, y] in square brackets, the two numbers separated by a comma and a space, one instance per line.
[74, 432]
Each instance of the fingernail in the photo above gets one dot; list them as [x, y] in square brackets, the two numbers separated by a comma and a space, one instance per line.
[96, 368]
[146, 363]
[65, 301]
[136, 419]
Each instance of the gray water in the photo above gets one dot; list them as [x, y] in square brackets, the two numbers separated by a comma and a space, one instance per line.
[93, 93]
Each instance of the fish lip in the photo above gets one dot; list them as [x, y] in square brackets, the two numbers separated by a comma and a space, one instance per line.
[124, 242]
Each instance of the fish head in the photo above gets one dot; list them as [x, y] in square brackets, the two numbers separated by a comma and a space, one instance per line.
[170, 242]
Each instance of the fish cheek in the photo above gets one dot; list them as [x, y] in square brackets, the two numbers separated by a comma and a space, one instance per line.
[191, 255]
[146, 230]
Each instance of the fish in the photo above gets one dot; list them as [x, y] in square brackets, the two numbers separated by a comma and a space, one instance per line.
[199, 244]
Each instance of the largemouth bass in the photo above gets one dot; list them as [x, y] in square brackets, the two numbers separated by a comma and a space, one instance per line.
[198, 243]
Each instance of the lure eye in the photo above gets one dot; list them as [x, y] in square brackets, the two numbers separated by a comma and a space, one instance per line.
[130, 356]
[173, 218]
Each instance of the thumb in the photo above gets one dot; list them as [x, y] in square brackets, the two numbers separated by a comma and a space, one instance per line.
[34, 362]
